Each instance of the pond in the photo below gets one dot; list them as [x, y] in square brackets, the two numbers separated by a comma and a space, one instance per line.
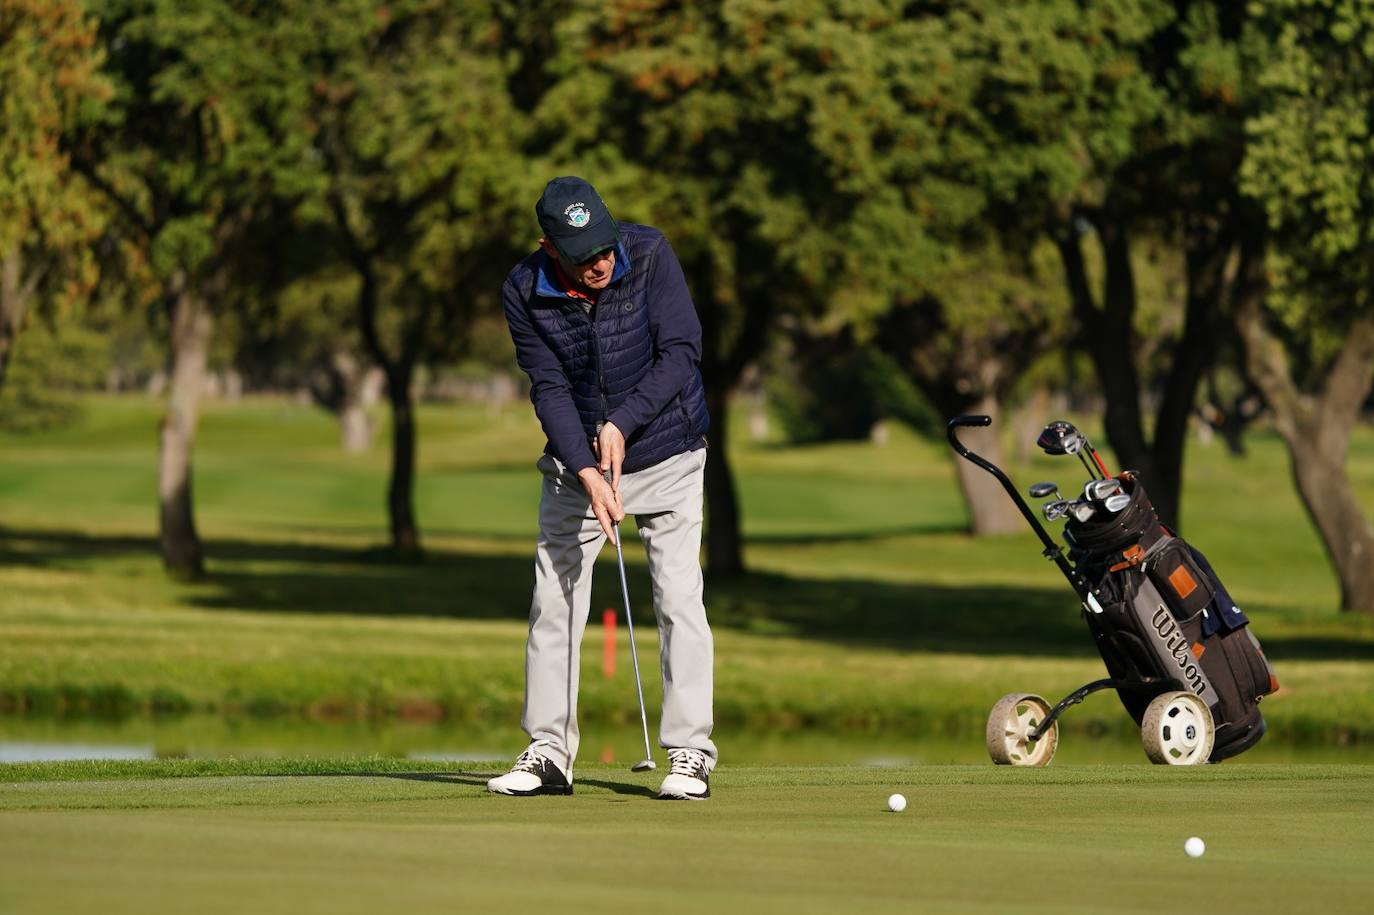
[209, 737]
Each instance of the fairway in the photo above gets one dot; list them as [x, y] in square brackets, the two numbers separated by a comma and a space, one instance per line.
[366, 836]
[814, 404]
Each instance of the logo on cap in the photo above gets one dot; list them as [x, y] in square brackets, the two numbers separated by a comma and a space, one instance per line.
[578, 215]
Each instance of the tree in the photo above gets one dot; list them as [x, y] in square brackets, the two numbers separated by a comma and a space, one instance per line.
[1099, 126]
[50, 373]
[1178, 183]
[966, 344]
[735, 128]
[1307, 314]
[49, 82]
[187, 156]
[295, 328]
[416, 137]
[949, 136]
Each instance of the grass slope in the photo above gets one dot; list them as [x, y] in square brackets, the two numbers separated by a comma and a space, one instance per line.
[363, 836]
[867, 609]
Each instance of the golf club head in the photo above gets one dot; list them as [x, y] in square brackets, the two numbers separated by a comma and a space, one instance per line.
[1098, 490]
[1041, 490]
[1056, 510]
[1082, 511]
[1117, 502]
[644, 765]
[1060, 437]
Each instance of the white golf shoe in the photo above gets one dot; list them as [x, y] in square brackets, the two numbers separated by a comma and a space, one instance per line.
[689, 778]
[533, 773]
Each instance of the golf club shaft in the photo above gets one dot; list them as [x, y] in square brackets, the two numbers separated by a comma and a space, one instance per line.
[1100, 464]
[1089, 465]
[630, 627]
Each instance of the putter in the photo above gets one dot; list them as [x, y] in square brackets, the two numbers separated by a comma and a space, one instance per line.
[1041, 490]
[647, 763]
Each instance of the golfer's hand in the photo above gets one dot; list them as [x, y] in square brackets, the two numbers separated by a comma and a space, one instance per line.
[610, 451]
[605, 500]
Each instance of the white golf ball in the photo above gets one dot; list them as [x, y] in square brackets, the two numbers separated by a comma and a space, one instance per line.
[1194, 847]
[897, 804]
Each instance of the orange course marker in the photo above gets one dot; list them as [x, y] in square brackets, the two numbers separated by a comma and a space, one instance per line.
[608, 643]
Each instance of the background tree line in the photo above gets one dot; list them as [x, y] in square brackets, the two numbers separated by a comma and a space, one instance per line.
[1165, 205]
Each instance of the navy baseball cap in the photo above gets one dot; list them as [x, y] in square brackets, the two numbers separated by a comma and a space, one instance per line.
[573, 217]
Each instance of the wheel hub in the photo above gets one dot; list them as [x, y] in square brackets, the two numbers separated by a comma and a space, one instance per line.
[1182, 735]
[1177, 730]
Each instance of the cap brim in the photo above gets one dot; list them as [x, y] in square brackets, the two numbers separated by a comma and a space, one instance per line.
[581, 246]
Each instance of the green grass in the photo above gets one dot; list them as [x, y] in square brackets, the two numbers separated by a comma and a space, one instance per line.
[869, 628]
[867, 611]
[350, 667]
[340, 836]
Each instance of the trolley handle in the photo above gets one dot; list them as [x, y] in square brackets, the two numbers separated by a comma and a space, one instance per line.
[1052, 550]
[974, 420]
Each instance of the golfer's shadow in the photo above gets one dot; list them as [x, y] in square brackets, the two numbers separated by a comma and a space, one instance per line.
[617, 787]
[447, 778]
[480, 779]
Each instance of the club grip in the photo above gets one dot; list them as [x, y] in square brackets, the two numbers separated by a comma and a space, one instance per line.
[971, 419]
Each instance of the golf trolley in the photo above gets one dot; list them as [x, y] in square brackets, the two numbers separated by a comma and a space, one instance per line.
[1178, 651]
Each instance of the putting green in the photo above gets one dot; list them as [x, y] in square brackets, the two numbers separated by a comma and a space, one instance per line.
[383, 838]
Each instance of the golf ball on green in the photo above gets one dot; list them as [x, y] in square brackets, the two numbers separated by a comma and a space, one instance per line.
[897, 804]
[1194, 847]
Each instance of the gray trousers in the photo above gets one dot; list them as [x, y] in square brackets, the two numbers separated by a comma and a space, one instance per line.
[666, 501]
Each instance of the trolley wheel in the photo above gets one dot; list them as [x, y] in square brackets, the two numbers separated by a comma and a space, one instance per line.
[1177, 730]
[1013, 718]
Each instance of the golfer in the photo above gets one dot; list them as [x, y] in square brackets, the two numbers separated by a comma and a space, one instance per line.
[604, 326]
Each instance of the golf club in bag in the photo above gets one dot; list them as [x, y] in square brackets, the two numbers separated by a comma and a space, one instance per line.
[1178, 651]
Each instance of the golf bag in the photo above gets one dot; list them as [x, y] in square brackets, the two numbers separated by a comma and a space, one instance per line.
[1179, 652]
[1165, 616]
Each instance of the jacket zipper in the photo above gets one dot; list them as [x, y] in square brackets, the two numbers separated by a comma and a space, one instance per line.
[600, 367]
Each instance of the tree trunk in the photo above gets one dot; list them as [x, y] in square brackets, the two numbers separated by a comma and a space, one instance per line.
[359, 385]
[192, 326]
[728, 348]
[724, 557]
[1108, 337]
[355, 429]
[1206, 257]
[1330, 502]
[1029, 420]
[405, 533]
[989, 509]
[968, 370]
[1317, 432]
[15, 293]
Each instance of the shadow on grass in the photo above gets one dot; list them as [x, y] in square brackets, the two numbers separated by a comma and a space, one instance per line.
[805, 538]
[447, 778]
[616, 787]
[524, 538]
[292, 578]
[480, 780]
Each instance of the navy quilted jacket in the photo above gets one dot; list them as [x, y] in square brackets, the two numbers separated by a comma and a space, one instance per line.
[633, 361]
